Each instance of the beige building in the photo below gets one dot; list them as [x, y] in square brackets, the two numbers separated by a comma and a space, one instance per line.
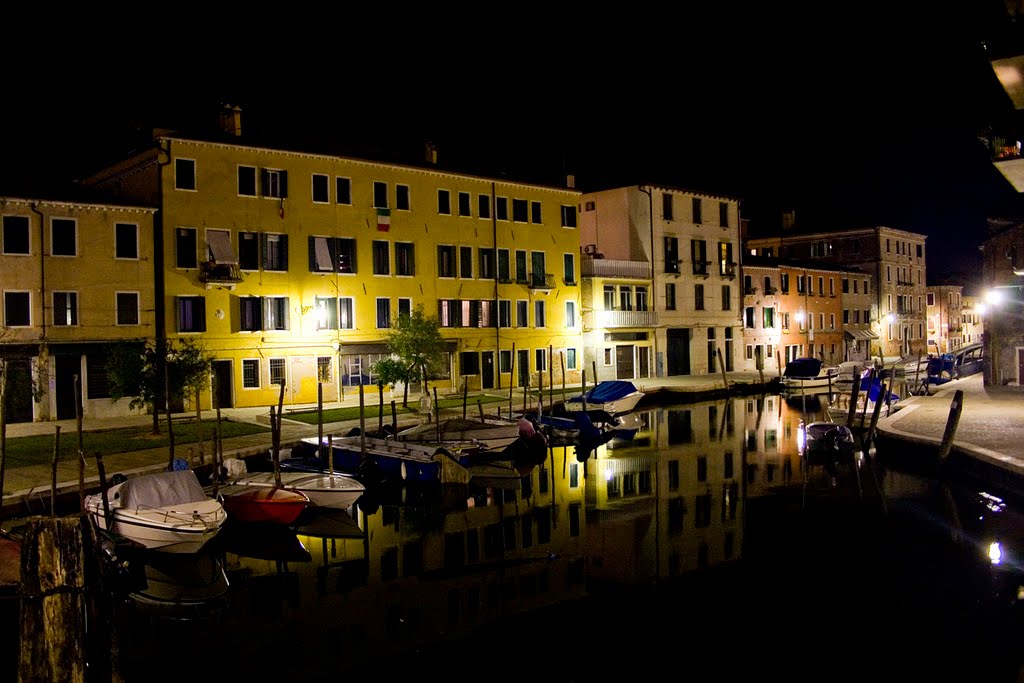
[945, 318]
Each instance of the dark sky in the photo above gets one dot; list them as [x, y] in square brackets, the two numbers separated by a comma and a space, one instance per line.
[865, 115]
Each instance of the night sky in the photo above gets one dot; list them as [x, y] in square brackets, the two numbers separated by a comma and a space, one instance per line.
[866, 115]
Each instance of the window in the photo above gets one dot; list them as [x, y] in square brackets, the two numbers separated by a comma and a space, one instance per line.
[275, 183]
[541, 356]
[568, 216]
[185, 247]
[250, 373]
[504, 274]
[343, 190]
[768, 317]
[65, 308]
[445, 260]
[696, 211]
[486, 263]
[247, 181]
[380, 195]
[865, 287]
[538, 314]
[464, 201]
[519, 210]
[346, 321]
[641, 298]
[748, 317]
[483, 206]
[323, 368]
[535, 212]
[275, 313]
[846, 316]
[218, 247]
[570, 359]
[625, 298]
[725, 262]
[444, 202]
[127, 308]
[821, 287]
[184, 174]
[250, 313]
[931, 299]
[800, 284]
[831, 287]
[126, 240]
[570, 314]
[402, 197]
[726, 298]
[405, 306]
[569, 268]
[920, 251]
[332, 255]
[63, 241]
[326, 312]
[504, 313]
[466, 262]
[698, 297]
[699, 255]
[381, 257]
[191, 314]
[504, 361]
[522, 309]
[501, 208]
[539, 267]
[16, 235]
[832, 320]
[383, 313]
[249, 251]
[607, 356]
[275, 252]
[277, 368]
[723, 214]
[666, 206]
[670, 296]
[784, 282]
[609, 297]
[405, 258]
[321, 189]
[521, 266]
[671, 254]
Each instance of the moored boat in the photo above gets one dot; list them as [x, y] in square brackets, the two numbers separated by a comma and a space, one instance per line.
[375, 459]
[613, 397]
[808, 373]
[263, 505]
[324, 489]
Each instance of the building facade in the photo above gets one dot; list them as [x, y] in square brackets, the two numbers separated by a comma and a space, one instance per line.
[291, 267]
[75, 277]
[1003, 318]
[971, 320]
[679, 251]
[762, 328]
[945, 318]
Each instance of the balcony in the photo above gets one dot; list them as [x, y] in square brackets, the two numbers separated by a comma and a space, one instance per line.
[749, 291]
[219, 274]
[542, 282]
[769, 291]
[701, 268]
[610, 319]
[639, 270]
[727, 270]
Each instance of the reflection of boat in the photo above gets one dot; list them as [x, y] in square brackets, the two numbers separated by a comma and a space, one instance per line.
[273, 542]
[382, 459]
[611, 396]
[166, 511]
[323, 489]
[328, 523]
[808, 373]
[182, 585]
[263, 505]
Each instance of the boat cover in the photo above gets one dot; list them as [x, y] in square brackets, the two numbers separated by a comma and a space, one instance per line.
[803, 368]
[161, 489]
[611, 390]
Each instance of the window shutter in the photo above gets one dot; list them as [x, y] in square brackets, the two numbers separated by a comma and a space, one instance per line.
[268, 313]
[282, 246]
[312, 254]
[264, 249]
[285, 311]
[264, 176]
[200, 313]
[284, 183]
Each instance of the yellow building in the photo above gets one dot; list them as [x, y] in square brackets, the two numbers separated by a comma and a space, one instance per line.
[74, 276]
[291, 267]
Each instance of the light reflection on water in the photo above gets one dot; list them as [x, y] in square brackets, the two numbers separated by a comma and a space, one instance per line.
[714, 497]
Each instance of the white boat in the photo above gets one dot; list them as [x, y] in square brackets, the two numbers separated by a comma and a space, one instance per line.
[613, 397]
[808, 373]
[165, 511]
[329, 490]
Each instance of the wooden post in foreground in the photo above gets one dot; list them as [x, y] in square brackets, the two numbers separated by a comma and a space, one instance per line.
[952, 421]
[53, 472]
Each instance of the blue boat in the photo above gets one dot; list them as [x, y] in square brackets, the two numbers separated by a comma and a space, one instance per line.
[379, 460]
[613, 397]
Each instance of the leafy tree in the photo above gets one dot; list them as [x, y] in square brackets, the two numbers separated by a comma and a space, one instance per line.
[416, 341]
[390, 371]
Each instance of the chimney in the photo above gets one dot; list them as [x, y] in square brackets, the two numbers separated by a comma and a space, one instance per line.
[788, 219]
[431, 152]
[231, 120]
[570, 181]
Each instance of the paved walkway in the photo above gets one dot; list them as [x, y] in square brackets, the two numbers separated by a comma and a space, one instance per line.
[991, 427]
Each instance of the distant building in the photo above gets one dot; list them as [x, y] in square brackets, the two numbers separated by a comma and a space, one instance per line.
[971, 320]
[1003, 278]
[945, 325]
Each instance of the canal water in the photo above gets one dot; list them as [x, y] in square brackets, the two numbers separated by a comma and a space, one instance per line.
[708, 543]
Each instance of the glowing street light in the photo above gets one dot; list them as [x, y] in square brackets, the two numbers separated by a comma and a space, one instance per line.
[993, 297]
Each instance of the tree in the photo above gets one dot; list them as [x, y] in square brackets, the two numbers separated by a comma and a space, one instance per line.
[390, 371]
[134, 372]
[416, 341]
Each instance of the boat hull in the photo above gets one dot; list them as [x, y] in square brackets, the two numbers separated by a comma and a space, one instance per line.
[336, 491]
[382, 459]
[260, 505]
[167, 530]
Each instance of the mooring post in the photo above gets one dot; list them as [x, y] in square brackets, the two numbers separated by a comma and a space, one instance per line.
[53, 482]
[951, 423]
[721, 364]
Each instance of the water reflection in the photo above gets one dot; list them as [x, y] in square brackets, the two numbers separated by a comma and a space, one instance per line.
[408, 570]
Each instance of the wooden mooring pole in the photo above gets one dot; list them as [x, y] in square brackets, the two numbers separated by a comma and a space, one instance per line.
[952, 421]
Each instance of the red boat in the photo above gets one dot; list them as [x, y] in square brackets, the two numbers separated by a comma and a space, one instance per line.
[263, 505]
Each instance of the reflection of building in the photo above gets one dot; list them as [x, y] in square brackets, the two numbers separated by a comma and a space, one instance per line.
[75, 276]
[291, 266]
[660, 268]
[894, 260]
[945, 325]
[770, 443]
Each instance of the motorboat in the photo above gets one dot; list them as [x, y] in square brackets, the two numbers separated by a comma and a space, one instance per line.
[324, 489]
[493, 433]
[613, 397]
[809, 373]
[263, 504]
[828, 442]
[165, 511]
[377, 459]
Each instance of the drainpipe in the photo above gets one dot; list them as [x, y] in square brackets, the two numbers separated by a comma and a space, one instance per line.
[160, 324]
[43, 352]
[653, 297]
[497, 305]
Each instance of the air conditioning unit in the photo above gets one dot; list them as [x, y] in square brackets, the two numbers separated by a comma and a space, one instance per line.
[589, 249]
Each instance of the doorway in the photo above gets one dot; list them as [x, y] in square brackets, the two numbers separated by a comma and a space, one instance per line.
[523, 361]
[678, 351]
[624, 362]
[487, 370]
[222, 384]
[19, 390]
[67, 396]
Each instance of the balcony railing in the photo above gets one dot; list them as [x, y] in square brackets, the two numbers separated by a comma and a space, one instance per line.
[727, 270]
[607, 319]
[599, 267]
[701, 267]
[213, 273]
[750, 291]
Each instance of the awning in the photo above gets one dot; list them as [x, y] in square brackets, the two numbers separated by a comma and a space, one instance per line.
[861, 335]
[220, 247]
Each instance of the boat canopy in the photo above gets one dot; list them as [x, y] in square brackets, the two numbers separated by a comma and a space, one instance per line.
[162, 489]
[610, 390]
[803, 368]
